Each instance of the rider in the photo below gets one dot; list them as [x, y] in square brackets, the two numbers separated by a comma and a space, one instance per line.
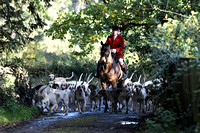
[116, 43]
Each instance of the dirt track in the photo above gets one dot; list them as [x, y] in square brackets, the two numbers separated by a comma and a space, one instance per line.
[88, 122]
[99, 123]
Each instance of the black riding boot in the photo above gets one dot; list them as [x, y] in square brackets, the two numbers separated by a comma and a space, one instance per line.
[97, 72]
[124, 72]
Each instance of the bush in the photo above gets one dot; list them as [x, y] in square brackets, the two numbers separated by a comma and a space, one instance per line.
[170, 42]
[8, 87]
[162, 120]
[10, 106]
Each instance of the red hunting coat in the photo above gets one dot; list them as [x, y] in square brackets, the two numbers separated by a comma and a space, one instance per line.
[117, 44]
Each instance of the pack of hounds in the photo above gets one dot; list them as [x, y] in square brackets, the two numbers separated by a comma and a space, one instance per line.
[76, 93]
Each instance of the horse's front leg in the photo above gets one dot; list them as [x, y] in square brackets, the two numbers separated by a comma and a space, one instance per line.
[115, 100]
[104, 85]
[96, 102]
[120, 99]
[99, 103]
[127, 100]
[91, 102]
[106, 104]
[114, 85]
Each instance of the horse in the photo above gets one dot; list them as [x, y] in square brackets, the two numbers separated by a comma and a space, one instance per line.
[110, 73]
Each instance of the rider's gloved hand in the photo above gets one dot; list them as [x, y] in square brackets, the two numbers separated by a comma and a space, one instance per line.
[113, 51]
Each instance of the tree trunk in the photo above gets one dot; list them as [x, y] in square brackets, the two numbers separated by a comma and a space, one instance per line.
[83, 6]
[76, 6]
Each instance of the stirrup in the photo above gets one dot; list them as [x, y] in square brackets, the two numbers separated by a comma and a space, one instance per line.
[96, 75]
[124, 77]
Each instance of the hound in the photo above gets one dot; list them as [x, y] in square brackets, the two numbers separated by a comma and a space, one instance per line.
[59, 80]
[93, 96]
[85, 83]
[41, 93]
[53, 99]
[80, 97]
[126, 93]
[152, 87]
[36, 99]
[70, 89]
[139, 96]
[113, 95]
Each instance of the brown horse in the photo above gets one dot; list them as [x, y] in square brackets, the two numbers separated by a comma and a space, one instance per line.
[110, 73]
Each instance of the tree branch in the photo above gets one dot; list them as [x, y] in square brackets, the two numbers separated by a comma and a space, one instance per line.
[161, 10]
[143, 9]
[135, 24]
[172, 12]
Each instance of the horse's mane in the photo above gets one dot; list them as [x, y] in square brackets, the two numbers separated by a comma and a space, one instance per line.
[105, 47]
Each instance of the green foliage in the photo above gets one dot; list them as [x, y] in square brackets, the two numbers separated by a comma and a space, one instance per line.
[8, 113]
[162, 121]
[135, 19]
[10, 106]
[179, 37]
[19, 18]
[62, 66]
[161, 57]
[8, 87]
[169, 42]
[157, 33]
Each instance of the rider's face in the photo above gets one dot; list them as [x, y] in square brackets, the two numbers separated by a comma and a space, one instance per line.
[115, 32]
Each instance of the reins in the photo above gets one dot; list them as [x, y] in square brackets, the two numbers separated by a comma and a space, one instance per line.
[108, 61]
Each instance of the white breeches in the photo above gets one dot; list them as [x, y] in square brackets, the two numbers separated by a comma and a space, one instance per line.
[121, 61]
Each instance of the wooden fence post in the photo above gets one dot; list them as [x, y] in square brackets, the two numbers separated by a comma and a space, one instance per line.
[189, 87]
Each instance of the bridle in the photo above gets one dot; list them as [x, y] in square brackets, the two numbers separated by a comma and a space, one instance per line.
[104, 58]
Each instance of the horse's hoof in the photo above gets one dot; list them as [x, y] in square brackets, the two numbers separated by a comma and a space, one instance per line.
[91, 110]
[66, 113]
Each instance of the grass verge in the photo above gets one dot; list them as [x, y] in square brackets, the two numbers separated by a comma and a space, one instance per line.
[9, 117]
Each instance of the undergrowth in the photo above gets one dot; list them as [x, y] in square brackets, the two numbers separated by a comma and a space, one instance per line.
[12, 113]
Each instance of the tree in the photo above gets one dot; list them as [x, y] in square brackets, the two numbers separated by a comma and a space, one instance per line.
[136, 18]
[18, 19]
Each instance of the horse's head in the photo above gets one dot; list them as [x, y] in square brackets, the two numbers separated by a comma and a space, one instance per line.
[105, 52]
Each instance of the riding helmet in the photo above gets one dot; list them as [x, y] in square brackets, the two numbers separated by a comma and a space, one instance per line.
[115, 28]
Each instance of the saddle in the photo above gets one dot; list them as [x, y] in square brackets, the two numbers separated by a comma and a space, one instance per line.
[117, 61]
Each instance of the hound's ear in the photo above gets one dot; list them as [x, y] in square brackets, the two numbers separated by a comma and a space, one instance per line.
[102, 43]
[66, 84]
[84, 88]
